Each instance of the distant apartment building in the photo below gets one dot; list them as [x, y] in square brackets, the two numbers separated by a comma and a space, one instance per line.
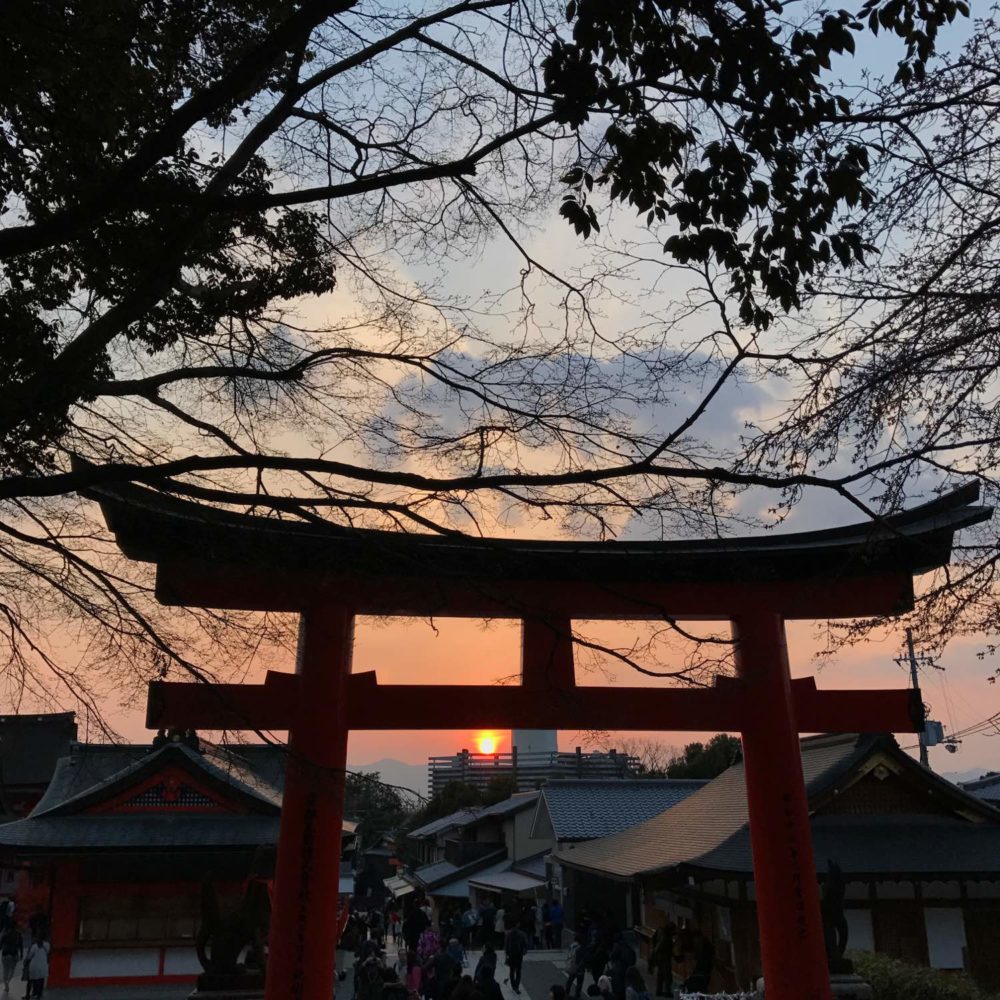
[533, 759]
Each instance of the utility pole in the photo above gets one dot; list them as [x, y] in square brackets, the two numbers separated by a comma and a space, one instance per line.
[912, 656]
[931, 734]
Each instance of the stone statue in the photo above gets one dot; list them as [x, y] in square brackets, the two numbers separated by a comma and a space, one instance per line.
[222, 937]
[845, 983]
[834, 921]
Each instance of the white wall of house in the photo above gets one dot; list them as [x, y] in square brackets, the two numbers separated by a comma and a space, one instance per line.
[517, 836]
[945, 937]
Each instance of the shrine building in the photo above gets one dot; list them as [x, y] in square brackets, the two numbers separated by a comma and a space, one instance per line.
[116, 850]
[920, 858]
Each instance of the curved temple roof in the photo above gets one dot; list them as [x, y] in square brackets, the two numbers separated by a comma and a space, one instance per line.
[152, 527]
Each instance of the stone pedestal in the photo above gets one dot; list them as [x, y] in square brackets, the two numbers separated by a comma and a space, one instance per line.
[226, 995]
[843, 986]
[849, 986]
[241, 985]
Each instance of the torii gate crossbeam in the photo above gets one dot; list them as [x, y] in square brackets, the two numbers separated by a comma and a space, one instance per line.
[215, 559]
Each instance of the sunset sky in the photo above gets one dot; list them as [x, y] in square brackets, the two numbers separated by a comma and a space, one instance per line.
[459, 650]
[466, 651]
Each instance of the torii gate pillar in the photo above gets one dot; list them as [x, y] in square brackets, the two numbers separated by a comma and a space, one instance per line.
[793, 952]
[301, 961]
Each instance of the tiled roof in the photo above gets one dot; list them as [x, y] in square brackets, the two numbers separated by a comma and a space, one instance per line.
[93, 773]
[30, 745]
[508, 807]
[452, 820]
[89, 767]
[582, 809]
[69, 795]
[987, 787]
[138, 832]
[465, 817]
[532, 866]
[444, 878]
[505, 880]
[457, 886]
[430, 874]
[709, 830]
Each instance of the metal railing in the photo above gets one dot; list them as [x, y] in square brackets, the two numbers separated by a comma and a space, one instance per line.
[527, 769]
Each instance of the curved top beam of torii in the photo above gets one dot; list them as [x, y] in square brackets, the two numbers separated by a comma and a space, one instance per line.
[210, 557]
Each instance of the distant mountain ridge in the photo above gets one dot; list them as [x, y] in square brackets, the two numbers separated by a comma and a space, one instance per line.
[397, 772]
[972, 774]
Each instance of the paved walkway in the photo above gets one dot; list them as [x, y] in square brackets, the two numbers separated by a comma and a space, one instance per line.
[542, 969]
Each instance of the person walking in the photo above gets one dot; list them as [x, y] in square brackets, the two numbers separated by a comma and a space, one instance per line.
[447, 973]
[468, 930]
[635, 988]
[37, 963]
[369, 980]
[376, 926]
[576, 965]
[457, 952]
[487, 916]
[515, 948]
[597, 960]
[486, 972]
[704, 960]
[527, 921]
[413, 975]
[499, 926]
[413, 927]
[556, 923]
[429, 944]
[539, 930]
[622, 958]
[661, 959]
[11, 950]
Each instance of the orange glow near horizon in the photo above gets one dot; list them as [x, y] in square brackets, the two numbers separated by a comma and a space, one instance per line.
[487, 743]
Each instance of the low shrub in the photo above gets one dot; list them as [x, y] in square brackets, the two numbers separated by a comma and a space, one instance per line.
[895, 980]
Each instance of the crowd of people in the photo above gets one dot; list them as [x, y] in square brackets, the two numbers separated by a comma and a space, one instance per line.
[603, 952]
[432, 961]
[33, 958]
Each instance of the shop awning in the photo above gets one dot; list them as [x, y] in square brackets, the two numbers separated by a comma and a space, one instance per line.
[398, 886]
[459, 887]
[506, 881]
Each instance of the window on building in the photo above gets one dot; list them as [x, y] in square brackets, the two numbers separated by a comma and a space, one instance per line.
[945, 937]
[860, 934]
[138, 918]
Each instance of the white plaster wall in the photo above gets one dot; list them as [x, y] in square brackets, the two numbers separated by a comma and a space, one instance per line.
[860, 936]
[86, 963]
[945, 937]
[181, 962]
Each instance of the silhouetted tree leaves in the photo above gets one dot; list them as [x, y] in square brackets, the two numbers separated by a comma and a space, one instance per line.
[719, 119]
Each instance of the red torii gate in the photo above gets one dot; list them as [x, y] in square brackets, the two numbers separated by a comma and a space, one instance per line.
[211, 558]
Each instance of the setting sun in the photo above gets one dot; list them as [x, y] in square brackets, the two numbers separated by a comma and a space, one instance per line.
[487, 743]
